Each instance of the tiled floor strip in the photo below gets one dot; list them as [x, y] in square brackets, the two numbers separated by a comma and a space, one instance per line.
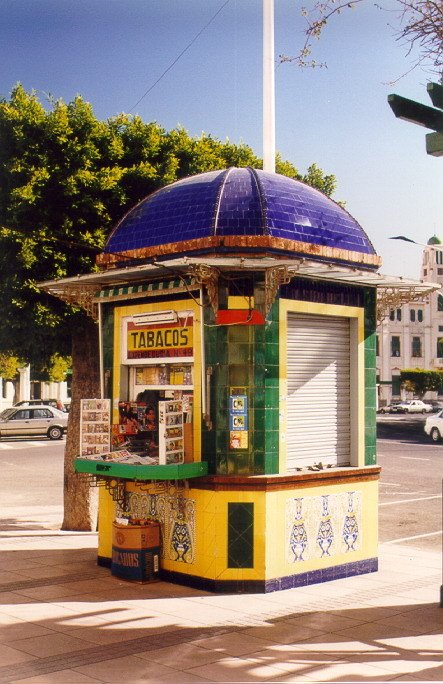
[45, 582]
[97, 654]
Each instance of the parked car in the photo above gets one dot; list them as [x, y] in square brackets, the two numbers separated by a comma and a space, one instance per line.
[32, 421]
[414, 406]
[436, 406]
[37, 402]
[56, 403]
[391, 408]
[434, 426]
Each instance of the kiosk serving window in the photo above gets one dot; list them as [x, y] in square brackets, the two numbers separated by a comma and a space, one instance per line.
[155, 415]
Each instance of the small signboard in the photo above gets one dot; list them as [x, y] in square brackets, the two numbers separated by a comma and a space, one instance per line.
[238, 440]
[238, 421]
[159, 341]
[238, 404]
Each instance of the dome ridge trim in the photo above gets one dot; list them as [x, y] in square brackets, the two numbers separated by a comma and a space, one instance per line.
[219, 198]
[262, 199]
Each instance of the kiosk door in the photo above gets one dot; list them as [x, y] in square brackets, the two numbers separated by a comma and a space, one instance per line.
[318, 402]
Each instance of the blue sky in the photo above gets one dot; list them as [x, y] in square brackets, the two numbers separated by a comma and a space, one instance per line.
[112, 51]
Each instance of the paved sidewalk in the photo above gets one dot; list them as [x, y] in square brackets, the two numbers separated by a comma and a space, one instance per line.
[63, 619]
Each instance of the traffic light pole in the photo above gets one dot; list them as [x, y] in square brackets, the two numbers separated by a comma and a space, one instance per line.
[432, 118]
[423, 115]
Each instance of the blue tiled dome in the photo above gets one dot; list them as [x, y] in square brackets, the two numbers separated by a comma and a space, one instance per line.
[240, 210]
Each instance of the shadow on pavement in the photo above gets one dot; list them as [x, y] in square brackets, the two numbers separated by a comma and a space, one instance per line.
[61, 613]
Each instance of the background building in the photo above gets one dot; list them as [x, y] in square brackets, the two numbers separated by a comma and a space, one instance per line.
[25, 387]
[411, 336]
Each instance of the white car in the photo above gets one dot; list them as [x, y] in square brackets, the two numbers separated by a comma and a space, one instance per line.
[434, 426]
[27, 421]
[414, 406]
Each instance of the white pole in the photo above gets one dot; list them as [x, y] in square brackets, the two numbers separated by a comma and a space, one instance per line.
[268, 87]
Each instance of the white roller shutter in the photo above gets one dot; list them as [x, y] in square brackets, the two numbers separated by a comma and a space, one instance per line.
[318, 402]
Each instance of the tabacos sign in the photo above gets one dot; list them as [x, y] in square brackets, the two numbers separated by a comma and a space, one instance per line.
[160, 340]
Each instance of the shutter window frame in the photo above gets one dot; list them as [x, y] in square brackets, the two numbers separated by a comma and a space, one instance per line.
[350, 450]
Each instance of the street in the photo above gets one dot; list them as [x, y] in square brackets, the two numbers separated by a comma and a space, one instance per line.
[32, 474]
[410, 509]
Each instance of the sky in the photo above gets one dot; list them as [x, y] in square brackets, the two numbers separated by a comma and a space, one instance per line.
[112, 52]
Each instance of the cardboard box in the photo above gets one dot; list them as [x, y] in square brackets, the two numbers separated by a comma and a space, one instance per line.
[141, 565]
[136, 536]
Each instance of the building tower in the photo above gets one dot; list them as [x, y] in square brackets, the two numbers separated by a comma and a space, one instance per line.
[412, 335]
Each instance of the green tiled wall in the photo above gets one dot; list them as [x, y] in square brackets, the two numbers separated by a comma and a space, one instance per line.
[215, 434]
[370, 377]
[272, 392]
[248, 356]
[243, 356]
[108, 347]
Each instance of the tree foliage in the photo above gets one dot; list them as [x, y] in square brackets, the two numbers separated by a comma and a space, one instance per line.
[59, 367]
[420, 381]
[9, 366]
[422, 28]
[66, 178]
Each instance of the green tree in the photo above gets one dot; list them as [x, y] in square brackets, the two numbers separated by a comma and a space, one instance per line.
[9, 366]
[59, 367]
[317, 179]
[65, 179]
[420, 381]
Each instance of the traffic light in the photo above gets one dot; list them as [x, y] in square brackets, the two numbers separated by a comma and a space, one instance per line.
[423, 115]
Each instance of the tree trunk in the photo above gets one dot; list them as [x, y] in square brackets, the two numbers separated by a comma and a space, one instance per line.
[80, 500]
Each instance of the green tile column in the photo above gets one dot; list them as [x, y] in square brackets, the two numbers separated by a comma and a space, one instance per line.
[241, 364]
[244, 357]
[272, 390]
[108, 347]
[214, 435]
[370, 377]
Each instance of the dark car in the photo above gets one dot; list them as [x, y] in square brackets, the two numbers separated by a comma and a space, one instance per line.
[395, 407]
[436, 406]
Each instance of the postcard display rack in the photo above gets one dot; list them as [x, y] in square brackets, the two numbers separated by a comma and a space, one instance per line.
[171, 435]
[94, 426]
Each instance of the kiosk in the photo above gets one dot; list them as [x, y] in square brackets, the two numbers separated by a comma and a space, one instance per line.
[237, 314]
